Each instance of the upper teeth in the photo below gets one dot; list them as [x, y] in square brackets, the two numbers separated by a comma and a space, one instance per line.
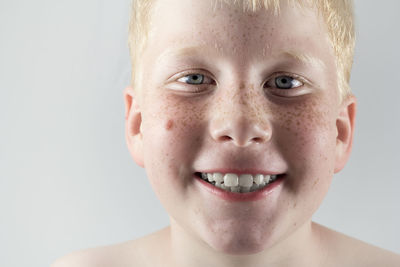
[238, 183]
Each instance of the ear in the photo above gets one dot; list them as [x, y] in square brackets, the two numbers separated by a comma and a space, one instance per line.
[345, 131]
[133, 123]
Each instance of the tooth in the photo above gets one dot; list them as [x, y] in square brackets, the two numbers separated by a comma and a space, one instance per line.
[259, 178]
[231, 179]
[254, 187]
[218, 177]
[245, 189]
[235, 189]
[246, 180]
[238, 183]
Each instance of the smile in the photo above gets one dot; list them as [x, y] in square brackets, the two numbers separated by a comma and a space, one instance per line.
[242, 183]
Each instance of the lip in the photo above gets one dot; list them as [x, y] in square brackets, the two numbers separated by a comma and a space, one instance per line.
[240, 197]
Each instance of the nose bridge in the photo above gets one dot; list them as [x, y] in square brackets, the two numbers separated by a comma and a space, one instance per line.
[239, 119]
[242, 104]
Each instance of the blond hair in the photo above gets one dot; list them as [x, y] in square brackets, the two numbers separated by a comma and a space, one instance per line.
[338, 16]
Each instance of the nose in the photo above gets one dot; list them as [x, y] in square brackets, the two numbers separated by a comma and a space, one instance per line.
[238, 123]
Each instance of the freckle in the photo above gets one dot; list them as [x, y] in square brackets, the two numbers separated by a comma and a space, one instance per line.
[315, 183]
[169, 125]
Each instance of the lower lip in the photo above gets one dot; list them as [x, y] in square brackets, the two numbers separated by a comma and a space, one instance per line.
[240, 197]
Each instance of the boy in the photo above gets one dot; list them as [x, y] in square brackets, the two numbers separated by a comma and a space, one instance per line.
[240, 112]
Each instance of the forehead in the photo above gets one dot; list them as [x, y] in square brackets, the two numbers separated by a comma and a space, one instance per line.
[228, 29]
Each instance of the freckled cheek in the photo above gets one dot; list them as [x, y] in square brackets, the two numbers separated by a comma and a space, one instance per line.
[173, 122]
[308, 147]
[306, 137]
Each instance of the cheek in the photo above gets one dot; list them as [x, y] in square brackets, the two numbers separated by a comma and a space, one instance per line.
[168, 119]
[305, 133]
[171, 128]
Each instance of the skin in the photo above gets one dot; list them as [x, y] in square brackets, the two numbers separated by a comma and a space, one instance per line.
[235, 121]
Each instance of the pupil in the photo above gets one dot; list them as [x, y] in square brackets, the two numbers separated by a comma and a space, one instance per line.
[284, 82]
[195, 78]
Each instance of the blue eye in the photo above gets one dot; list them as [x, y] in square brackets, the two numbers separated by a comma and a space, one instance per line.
[192, 79]
[284, 82]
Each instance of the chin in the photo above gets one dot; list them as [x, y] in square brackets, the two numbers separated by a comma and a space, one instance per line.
[238, 245]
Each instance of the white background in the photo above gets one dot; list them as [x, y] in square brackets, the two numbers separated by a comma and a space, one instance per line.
[67, 181]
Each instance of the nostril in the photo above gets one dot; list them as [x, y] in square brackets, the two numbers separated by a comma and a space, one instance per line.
[257, 140]
[225, 138]
[241, 132]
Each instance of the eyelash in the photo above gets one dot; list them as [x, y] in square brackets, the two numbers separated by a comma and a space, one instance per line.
[287, 92]
[196, 74]
[291, 76]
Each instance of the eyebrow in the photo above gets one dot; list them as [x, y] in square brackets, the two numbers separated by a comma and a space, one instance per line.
[184, 51]
[302, 58]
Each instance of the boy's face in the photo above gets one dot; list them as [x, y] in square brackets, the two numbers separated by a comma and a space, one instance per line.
[243, 117]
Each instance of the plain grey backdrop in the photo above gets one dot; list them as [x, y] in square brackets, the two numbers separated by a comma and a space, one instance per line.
[67, 181]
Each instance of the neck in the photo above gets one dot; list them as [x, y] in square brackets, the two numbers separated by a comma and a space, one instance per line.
[299, 249]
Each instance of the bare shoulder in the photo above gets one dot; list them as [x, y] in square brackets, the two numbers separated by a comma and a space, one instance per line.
[347, 251]
[130, 253]
[112, 255]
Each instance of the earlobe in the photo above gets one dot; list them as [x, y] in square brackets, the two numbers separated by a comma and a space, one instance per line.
[133, 123]
[345, 131]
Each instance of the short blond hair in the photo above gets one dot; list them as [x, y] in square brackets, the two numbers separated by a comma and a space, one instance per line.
[338, 16]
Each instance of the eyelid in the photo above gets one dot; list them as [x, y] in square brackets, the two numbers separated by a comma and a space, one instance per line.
[192, 72]
[301, 90]
[184, 88]
[303, 80]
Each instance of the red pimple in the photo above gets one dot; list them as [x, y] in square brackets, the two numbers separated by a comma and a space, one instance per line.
[169, 125]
